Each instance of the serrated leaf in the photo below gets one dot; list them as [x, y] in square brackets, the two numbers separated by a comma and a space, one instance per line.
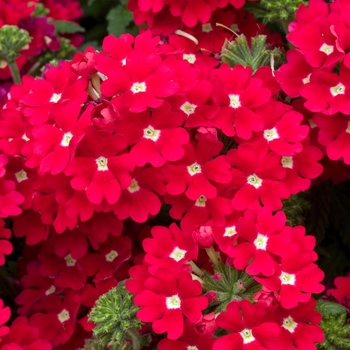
[67, 27]
[118, 19]
[328, 308]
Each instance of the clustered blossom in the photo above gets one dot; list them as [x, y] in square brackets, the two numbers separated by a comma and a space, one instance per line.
[100, 149]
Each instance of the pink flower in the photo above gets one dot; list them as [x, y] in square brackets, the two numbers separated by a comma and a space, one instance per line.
[167, 298]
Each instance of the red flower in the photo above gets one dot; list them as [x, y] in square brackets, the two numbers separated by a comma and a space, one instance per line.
[257, 177]
[236, 92]
[5, 314]
[99, 167]
[167, 298]
[246, 324]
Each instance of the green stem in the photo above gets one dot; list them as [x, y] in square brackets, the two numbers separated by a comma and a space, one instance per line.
[212, 255]
[284, 24]
[16, 76]
[34, 69]
[135, 336]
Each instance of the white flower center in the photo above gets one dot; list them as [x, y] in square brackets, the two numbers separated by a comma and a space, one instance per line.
[192, 347]
[348, 128]
[66, 139]
[21, 176]
[338, 89]
[271, 134]
[261, 241]
[55, 98]
[102, 163]
[51, 290]
[134, 187]
[173, 302]
[138, 87]
[287, 278]
[194, 169]
[312, 124]
[111, 255]
[287, 162]
[69, 260]
[234, 101]
[63, 316]
[230, 231]
[289, 324]
[307, 79]
[151, 134]
[207, 28]
[123, 62]
[254, 181]
[178, 254]
[327, 49]
[191, 58]
[247, 336]
[188, 108]
[25, 137]
[200, 202]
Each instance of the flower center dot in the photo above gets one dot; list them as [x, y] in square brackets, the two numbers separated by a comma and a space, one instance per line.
[234, 101]
[21, 176]
[230, 231]
[307, 79]
[134, 187]
[254, 181]
[194, 169]
[69, 260]
[192, 347]
[111, 255]
[200, 202]
[151, 134]
[138, 87]
[188, 108]
[271, 134]
[327, 49]
[63, 316]
[287, 278]
[51, 290]
[247, 336]
[207, 28]
[178, 254]
[173, 302]
[191, 58]
[289, 324]
[261, 241]
[338, 89]
[66, 139]
[102, 163]
[312, 124]
[55, 98]
[287, 162]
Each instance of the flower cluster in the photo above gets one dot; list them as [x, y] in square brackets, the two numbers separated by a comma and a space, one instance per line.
[154, 161]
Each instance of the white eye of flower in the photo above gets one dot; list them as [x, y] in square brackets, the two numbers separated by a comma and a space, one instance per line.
[207, 28]
[55, 98]
[51, 290]
[191, 58]
[134, 187]
[254, 181]
[63, 316]
[111, 255]
[102, 163]
[287, 162]
[312, 124]
[151, 134]
[230, 231]
[66, 139]
[173, 302]
[200, 202]
[289, 324]
[177, 254]
[21, 176]
[338, 89]
[234, 101]
[287, 278]
[271, 134]
[261, 241]
[69, 260]
[194, 169]
[138, 87]
[188, 108]
[348, 128]
[307, 79]
[247, 336]
[192, 347]
[327, 49]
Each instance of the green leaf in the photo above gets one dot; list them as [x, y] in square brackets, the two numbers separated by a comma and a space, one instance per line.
[67, 27]
[118, 19]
